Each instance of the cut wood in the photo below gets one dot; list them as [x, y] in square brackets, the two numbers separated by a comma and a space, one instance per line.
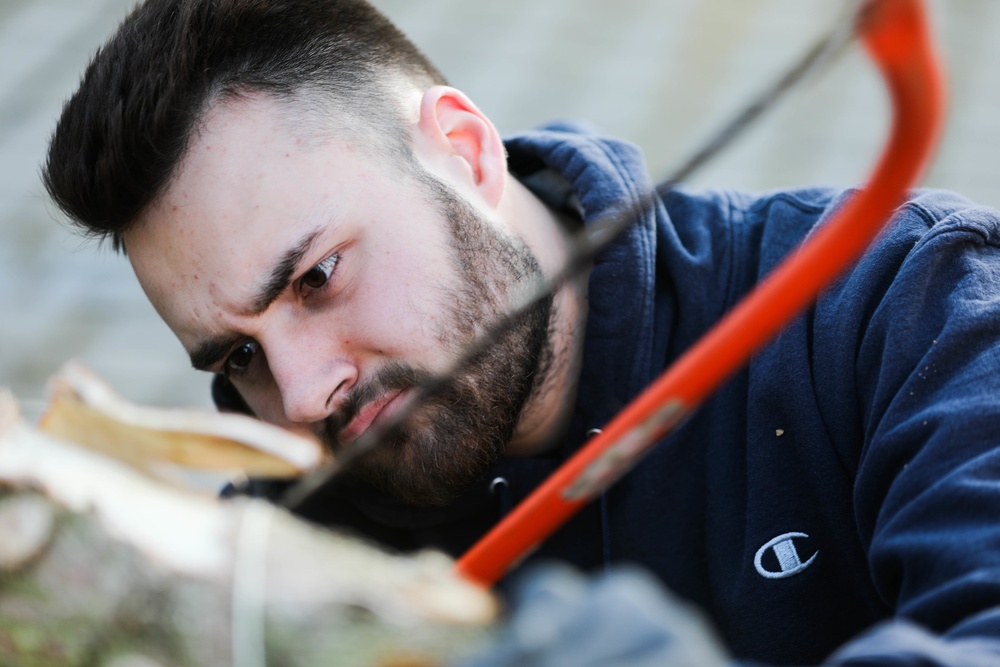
[85, 410]
[102, 565]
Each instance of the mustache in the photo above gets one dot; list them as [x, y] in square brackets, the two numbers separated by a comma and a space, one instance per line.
[394, 376]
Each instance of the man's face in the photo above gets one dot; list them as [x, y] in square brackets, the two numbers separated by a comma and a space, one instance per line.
[328, 285]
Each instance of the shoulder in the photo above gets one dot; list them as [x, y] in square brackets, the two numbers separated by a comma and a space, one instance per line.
[745, 204]
[770, 223]
[922, 211]
[950, 216]
[938, 249]
[936, 241]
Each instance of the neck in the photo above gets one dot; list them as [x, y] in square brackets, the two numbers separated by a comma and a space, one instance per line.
[546, 233]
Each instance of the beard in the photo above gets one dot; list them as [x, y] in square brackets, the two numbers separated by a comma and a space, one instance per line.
[460, 431]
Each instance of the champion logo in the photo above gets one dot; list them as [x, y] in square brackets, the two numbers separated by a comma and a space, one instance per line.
[782, 558]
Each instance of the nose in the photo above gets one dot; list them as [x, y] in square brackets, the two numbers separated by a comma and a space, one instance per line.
[312, 375]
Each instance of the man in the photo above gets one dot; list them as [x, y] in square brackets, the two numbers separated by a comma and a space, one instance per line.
[324, 224]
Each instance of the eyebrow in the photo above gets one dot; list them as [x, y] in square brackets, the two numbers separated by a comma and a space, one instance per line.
[281, 274]
[211, 351]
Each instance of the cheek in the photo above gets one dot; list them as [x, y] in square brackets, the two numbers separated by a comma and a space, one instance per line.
[403, 314]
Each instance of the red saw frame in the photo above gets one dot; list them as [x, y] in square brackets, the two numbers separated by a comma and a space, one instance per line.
[897, 35]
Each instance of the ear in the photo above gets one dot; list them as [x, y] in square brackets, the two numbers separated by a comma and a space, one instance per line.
[460, 142]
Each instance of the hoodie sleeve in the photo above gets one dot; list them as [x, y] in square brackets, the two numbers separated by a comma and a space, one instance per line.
[927, 488]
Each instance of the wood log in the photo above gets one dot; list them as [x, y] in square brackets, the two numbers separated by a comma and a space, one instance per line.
[87, 411]
[103, 565]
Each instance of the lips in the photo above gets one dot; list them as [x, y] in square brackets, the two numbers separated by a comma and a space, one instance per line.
[367, 415]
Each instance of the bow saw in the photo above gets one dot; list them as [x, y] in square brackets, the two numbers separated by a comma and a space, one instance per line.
[897, 36]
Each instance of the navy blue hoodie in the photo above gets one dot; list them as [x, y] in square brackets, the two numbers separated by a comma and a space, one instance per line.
[847, 479]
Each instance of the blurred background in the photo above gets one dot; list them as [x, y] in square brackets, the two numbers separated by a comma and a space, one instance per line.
[661, 73]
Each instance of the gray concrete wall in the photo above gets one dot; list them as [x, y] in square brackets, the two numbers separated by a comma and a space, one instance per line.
[662, 73]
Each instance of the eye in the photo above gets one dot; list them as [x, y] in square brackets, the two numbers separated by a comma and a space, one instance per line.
[239, 360]
[319, 275]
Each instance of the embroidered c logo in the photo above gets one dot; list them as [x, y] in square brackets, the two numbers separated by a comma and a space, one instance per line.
[784, 550]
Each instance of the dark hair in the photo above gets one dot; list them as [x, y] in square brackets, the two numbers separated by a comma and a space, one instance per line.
[122, 134]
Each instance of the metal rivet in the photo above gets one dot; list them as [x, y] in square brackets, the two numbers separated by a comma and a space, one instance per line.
[594, 431]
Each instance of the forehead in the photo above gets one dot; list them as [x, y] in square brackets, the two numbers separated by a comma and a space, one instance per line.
[251, 184]
[251, 143]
